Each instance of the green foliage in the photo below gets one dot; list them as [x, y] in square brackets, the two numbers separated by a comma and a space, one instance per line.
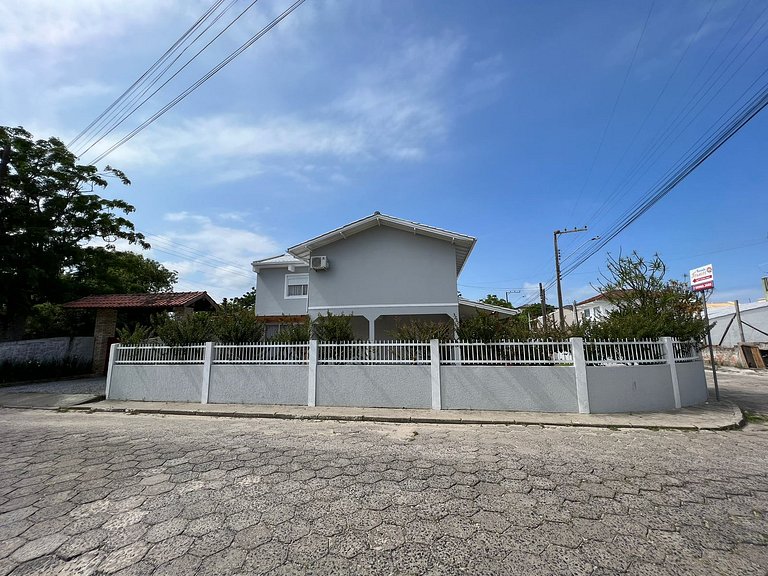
[333, 328]
[186, 329]
[235, 325]
[293, 333]
[105, 271]
[422, 331]
[49, 320]
[485, 327]
[494, 300]
[247, 300]
[230, 324]
[48, 210]
[136, 335]
[646, 305]
[15, 372]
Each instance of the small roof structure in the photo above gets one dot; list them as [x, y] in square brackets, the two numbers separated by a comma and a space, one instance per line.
[463, 243]
[199, 301]
[488, 307]
[280, 261]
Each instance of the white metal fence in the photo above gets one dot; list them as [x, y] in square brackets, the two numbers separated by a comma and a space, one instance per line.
[373, 353]
[533, 353]
[285, 354]
[151, 354]
[506, 353]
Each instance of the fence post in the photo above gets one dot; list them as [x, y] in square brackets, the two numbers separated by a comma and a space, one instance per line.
[207, 363]
[312, 381]
[112, 354]
[434, 358]
[580, 367]
[669, 354]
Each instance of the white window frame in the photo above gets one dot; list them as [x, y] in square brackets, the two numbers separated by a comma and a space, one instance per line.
[305, 275]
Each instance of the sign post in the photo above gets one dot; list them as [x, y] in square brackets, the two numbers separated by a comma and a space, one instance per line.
[703, 279]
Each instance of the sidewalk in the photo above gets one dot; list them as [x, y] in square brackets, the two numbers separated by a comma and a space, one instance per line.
[722, 415]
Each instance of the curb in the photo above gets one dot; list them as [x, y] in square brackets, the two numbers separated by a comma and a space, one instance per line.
[737, 422]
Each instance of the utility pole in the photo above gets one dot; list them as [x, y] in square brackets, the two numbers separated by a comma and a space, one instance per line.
[543, 296]
[557, 271]
[739, 325]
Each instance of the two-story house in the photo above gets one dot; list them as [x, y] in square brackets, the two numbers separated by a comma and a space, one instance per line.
[381, 270]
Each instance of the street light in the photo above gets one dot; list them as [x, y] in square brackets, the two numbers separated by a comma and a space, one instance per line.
[557, 271]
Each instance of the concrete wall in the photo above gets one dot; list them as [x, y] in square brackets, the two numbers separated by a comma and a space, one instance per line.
[376, 386]
[525, 388]
[692, 383]
[386, 266]
[157, 382]
[78, 349]
[270, 293]
[755, 313]
[243, 384]
[642, 388]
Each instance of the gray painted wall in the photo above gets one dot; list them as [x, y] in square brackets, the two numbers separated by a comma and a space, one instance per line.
[383, 265]
[526, 388]
[270, 293]
[48, 350]
[157, 383]
[757, 317]
[642, 388]
[692, 383]
[241, 384]
[375, 386]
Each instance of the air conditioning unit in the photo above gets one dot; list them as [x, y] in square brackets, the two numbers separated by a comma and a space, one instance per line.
[318, 263]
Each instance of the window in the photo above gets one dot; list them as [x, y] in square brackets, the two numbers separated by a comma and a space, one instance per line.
[296, 285]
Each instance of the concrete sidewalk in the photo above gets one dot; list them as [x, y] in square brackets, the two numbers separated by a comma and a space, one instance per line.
[42, 400]
[710, 416]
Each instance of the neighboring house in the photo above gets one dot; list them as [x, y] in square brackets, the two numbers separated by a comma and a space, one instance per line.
[591, 309]
[381, 270]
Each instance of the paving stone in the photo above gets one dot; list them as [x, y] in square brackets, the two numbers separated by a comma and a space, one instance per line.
[38, 547]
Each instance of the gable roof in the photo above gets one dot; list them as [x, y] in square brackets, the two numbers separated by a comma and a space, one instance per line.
[158, 300]
[280, 261]
[462, 242]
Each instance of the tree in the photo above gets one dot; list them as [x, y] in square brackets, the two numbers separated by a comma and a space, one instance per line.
[646, 305]
[494, 300]
[48, 210]
[104, 271]
[247, 300]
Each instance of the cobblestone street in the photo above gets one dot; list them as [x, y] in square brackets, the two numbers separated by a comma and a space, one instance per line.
[120, 494]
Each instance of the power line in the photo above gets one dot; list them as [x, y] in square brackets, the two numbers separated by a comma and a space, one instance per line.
[147, 72]
[201, 81]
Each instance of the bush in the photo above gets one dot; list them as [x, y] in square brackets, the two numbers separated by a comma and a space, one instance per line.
[422, 331]
[333, 328]
[50, 320]
[14, 372]
[237, 325]
[136, 335]
[485, 327]
[293, 333]
[187, 329]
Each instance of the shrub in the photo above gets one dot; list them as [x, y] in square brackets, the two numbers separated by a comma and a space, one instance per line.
[423, 330]
[236, 325]
[136, 335]
[14, 372]
[293, 333]
[186, 329]
[333, 328]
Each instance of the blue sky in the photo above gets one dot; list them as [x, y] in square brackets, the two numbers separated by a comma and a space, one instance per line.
[503, 120]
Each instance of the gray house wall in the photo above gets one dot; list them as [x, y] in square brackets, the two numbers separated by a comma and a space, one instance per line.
[385, 272]
[270, 293]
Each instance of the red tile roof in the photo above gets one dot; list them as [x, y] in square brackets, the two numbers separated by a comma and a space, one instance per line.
[159, 300]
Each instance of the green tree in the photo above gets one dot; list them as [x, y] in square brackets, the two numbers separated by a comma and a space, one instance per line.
[247, 300]
[333, 328]
[646, 305]
[105, 271]
[494, 300]
[48, 210]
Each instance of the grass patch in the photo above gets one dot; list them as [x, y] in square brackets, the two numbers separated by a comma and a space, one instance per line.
[755, 417]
